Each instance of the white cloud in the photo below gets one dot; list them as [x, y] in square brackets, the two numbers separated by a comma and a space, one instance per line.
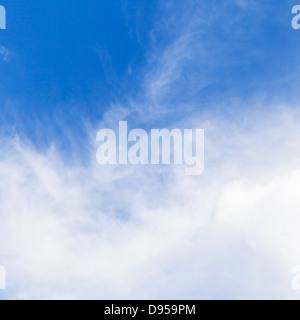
[151, 232]
[147, 232]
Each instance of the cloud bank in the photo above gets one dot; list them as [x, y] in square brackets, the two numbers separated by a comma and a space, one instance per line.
[151, 232]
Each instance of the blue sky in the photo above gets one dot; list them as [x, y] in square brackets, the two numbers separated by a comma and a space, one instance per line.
[72, 61]
[72, 229]
[70, 52]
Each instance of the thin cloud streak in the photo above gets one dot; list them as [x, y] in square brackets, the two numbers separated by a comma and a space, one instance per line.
[5, 53]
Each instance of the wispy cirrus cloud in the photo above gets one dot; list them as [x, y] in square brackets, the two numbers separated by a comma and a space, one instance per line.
[5, 53]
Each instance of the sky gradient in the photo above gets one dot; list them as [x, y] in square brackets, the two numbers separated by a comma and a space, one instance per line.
[70, 228]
